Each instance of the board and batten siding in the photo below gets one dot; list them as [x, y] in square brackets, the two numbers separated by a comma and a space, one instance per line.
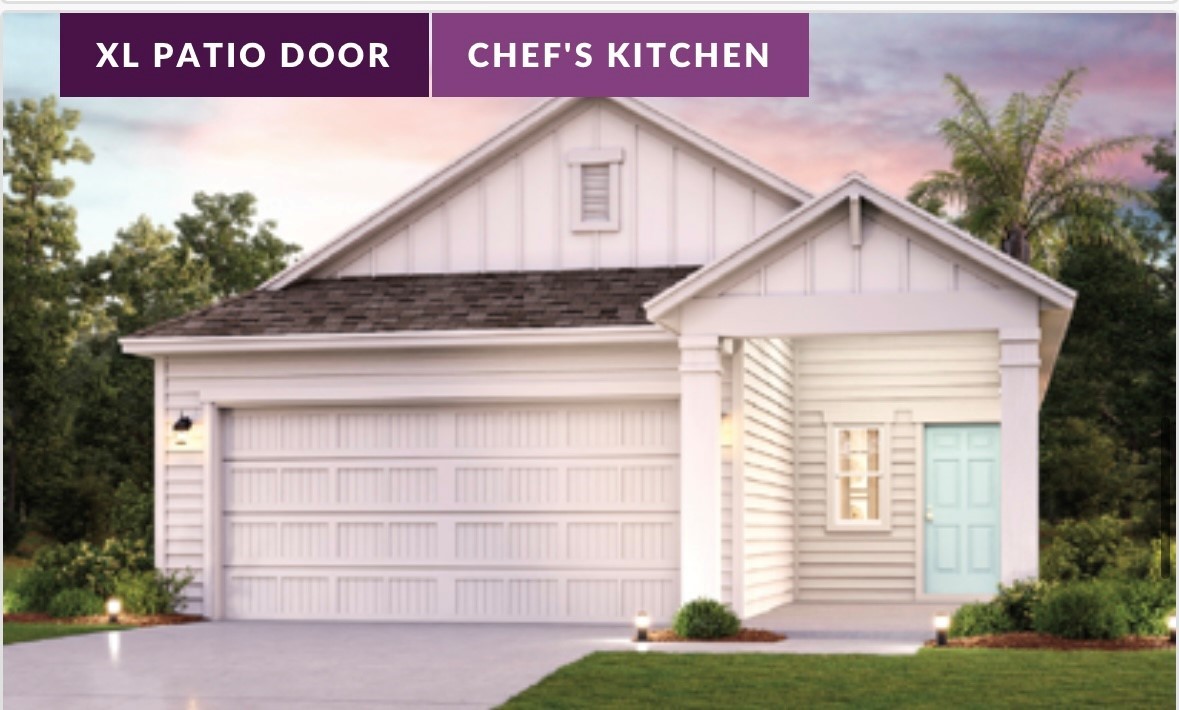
[903, 382]
[767, 463]
[181, 380]
[676, 206]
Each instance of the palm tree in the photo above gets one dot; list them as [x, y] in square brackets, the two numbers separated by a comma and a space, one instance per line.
[1012, 181]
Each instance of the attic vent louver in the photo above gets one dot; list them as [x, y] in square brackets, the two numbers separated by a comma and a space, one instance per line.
[595, 193]
[594, 198]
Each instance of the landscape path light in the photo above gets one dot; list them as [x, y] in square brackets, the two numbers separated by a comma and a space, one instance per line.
[642, 625]
[941, 625]
[114, 607]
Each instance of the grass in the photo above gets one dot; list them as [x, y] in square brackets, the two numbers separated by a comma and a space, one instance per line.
[931, 679]
[23, 632]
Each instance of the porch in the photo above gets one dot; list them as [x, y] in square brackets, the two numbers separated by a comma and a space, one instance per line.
[812, 620]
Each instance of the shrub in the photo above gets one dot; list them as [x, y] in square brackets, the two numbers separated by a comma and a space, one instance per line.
[13, 604]
[979, 619]
[81, 565]
[1083, 549]
[31, 590]
[1082, 610]
[705, 619]
[1018, 602]
[75, 602]
[151, 592]
[1146, 603]
[1143, 560]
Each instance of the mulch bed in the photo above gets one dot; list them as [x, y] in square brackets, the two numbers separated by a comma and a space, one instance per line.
[124, 619]
[742, 636]
[1029, 639]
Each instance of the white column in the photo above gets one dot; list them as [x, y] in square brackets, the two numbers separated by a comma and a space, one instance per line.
[700, 467]
[1019, 382]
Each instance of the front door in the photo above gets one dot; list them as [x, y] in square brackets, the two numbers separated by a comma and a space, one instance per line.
[961, 509]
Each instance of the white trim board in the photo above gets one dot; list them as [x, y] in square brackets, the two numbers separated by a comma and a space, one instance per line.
[309, 342]
[957, 241]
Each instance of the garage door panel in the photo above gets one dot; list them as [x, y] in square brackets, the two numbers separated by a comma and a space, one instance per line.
[615, 482]
[598, 540]
[529, 512]
[545, 430]
[458, 595]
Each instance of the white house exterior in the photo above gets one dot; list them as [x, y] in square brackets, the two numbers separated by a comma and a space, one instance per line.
[602, 364]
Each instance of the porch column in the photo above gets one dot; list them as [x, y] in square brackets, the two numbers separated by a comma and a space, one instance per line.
[1019, 382]
[700, 467]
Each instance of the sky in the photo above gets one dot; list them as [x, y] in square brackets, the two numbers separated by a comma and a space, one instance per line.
[877, 93]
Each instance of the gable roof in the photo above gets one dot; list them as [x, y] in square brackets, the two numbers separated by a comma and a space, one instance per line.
[432, 302]
[504, 141]
[1052, 293]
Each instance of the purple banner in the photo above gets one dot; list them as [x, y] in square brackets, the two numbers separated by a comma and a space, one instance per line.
[594, 54]
[247, 54]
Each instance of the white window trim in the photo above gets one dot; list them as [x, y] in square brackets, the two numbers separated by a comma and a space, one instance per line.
[834, 522]
[611, 157]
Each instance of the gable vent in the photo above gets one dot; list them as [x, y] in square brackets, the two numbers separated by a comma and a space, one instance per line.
[595, 193]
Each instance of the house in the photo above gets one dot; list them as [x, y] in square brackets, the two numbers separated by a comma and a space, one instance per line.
[600, 364]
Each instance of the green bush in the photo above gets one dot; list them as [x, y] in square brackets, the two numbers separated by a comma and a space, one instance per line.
[1018, 602]
[81, 565]
[1146, 603]
[1143, 560]
[75, 602]
[151, 592]
[13, 604]
[31, 590]
[131, 514]
[705, 619]
[979, 619]
[1083, 549]
[1082, 610]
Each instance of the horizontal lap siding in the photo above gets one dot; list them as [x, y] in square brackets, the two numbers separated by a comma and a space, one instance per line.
[767, 463]
[184, 518]
[901, 381]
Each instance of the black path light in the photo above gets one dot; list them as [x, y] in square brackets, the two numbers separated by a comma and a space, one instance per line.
[642, 624]
[941, 627]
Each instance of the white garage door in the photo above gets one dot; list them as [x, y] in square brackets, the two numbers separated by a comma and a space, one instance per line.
[489, 513]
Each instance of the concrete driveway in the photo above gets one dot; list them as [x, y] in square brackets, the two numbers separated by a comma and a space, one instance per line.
[295, 665]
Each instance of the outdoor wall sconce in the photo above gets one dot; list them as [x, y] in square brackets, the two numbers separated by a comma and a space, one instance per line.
[941, 625]
[181, 429]
[114, 607]
[1171, 627]
[642, 625]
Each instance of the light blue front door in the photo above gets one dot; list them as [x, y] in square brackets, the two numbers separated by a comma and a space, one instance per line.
[961, 509]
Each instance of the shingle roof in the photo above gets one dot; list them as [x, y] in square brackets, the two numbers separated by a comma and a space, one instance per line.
[514, 299]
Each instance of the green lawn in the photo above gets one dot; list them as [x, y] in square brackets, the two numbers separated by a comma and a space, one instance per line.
[20, 633]
[931, 679]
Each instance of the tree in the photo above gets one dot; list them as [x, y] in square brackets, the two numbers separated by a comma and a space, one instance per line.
[1013, 181]
[221, 236]
[141, 280]
[148, 276]
[40, 249]
[1108, 421]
